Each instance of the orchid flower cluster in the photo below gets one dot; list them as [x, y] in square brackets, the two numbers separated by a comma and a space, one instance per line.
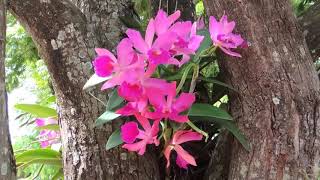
[47, 137]
[151, 100]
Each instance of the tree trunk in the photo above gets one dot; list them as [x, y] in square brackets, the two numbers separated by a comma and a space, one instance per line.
[278, 105]
[7, 162]
[66, 33]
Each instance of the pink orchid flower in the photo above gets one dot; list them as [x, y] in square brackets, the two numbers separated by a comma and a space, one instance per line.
[187, 41]
[168, 106]
[129, 66]
[163, 21]
[130, 133]
[47, 137]
[222, 36]
[137, 94]
[183, 157]
[157, 52]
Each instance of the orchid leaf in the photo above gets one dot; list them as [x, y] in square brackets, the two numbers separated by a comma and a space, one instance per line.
[114, 140]
[37, 110]
[107, 116]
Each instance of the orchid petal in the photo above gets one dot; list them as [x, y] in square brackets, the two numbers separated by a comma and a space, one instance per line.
[181, 162]
[184, 102]
[179, 118]
[150, 32]
[125, 52]
[127, 110]
[116, 80]
[129, 132]
[105, 52]
[137, 40]
[144, 122]
[173, 17]
[138, 146]
[163, 42]
[167, 153]
[231, 53]
[188, 136]
[40, 122]
[185, 155]
[161, 21]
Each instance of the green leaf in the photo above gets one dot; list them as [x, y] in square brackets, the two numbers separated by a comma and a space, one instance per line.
[51, 99]
[229, 125]
[38, 172]
[34, 154]
[114, 100]
[131, 21]
[114, 140]
[206, 43]
[37, 110]
[39, 156]
[214, 81]
[53, 127]
[46, 161]
[107, 116]
[207, 110]
[178, 75]
[94, 80]
[237, 133]
[58, 175]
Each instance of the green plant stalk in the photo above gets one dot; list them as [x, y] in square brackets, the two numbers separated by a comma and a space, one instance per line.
[194, 78]
[194, 127]
[184, 77]
[163, 125]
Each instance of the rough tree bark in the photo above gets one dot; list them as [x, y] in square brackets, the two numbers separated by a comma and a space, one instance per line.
[278, 105]
[66, 33]
[7, 162]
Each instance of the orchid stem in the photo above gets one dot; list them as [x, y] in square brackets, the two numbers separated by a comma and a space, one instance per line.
[194, 78]
[194, 127]
[184, 77]
[97, 99]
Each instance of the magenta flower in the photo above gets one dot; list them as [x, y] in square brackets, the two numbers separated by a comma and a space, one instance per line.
[47, 137]
[146, 136]
[187, 41]
[168, 106]
[181, 162]
[130, 132]
[137, 94]
[163, 21]
[128, 67]
[222, 36]
[156, 52]
[183, 157]
[130, 92]
[103, 64]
